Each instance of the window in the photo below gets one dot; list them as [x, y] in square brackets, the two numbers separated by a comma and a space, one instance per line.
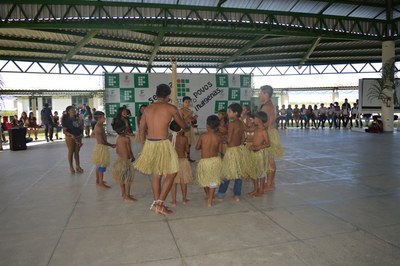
[80, 100]
[47, 99]
[31, 101]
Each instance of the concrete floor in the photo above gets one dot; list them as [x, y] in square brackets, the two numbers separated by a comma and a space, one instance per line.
[336, 203]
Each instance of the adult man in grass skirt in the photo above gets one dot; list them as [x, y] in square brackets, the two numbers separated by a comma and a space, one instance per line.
[158, 157]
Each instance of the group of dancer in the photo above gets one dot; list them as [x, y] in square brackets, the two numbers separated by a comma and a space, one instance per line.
[167, 157]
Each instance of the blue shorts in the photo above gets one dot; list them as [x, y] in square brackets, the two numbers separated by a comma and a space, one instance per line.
[101, 169]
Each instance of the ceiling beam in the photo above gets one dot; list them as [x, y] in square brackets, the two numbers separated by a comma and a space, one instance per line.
[157, 43]
[242, 50]
[80, 44]
[309, 51]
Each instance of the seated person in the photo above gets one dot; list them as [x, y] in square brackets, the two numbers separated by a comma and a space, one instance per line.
[376, 125]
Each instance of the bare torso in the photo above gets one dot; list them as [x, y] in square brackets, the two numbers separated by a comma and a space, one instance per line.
[260, 139]
[235, 133]
[182, 145]
[123, 147]
[210, 144]
[156, 119]
[269, 109]
[100, 135]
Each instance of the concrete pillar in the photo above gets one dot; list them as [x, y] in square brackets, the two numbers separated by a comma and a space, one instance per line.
[34, 107]
[284, 98]
[335, 95]
[40, 107]
[387, 107]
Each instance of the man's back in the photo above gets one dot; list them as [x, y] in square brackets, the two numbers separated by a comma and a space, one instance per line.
[157, 118]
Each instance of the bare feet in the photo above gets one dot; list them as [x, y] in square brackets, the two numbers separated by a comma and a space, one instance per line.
[218, 199]
[209, 203]
[132, 198]
[252, 193]
[129, 199]
[185, 201]
[173, 203]
[79, 169]
[103, 185]
[72, 170]
[236, 198]
[161, 209]
[258, 194]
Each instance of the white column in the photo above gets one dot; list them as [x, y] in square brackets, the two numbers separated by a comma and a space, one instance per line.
[387, 108]
[335, 95]
[284, 98]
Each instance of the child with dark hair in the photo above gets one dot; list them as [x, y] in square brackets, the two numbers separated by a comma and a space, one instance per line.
[260, 153]
[184, 175]
[100, 155]
[123, 170]
[209, 168]
[235, 164]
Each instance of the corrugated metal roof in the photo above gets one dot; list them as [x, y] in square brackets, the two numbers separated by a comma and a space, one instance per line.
[195, 32]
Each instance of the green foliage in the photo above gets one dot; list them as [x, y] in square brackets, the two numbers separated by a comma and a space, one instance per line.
[386, 82]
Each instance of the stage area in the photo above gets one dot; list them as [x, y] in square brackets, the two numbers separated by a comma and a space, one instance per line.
[336, 203]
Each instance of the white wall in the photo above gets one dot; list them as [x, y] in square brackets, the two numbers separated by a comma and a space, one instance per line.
[60, 103]
[22, 105]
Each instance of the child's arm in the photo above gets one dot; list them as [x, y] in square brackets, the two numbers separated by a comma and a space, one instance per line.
[198, 144]
[143, 128]
[104, 137]
[230, 133]
[130, 149]
[265, 142]
[221, 147]
[186, 143]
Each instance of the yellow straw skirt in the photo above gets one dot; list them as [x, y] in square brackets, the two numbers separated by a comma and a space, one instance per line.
[191, 136]
[247, 161]
[236, 163]
[123, 171]
[276, 148]
[100, 155]
[157, 157]
[184, 175]
[209, 172]
[260, 163]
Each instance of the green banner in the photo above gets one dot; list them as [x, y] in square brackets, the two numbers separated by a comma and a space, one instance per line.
[127, 95]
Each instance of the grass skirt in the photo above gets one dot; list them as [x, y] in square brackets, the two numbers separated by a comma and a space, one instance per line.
[191, 136]
[276, 148]
[184, 175]
[157, 157]
[260, 163]
[123, 171]
[208, 172]
[100, 155]
[237, 163]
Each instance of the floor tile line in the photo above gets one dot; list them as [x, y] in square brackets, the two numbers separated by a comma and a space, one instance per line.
[70, 215]
[33, 184]
[265, 214]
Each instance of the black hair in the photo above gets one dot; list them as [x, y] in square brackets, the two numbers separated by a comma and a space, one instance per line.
[186, 98]
[119, 112]
[119, 126]
[213, 122]
[98, 114]
[267, 89]
[143, 105]
[262, 116]
[174, 126]
[236, 108]
[163, 90]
